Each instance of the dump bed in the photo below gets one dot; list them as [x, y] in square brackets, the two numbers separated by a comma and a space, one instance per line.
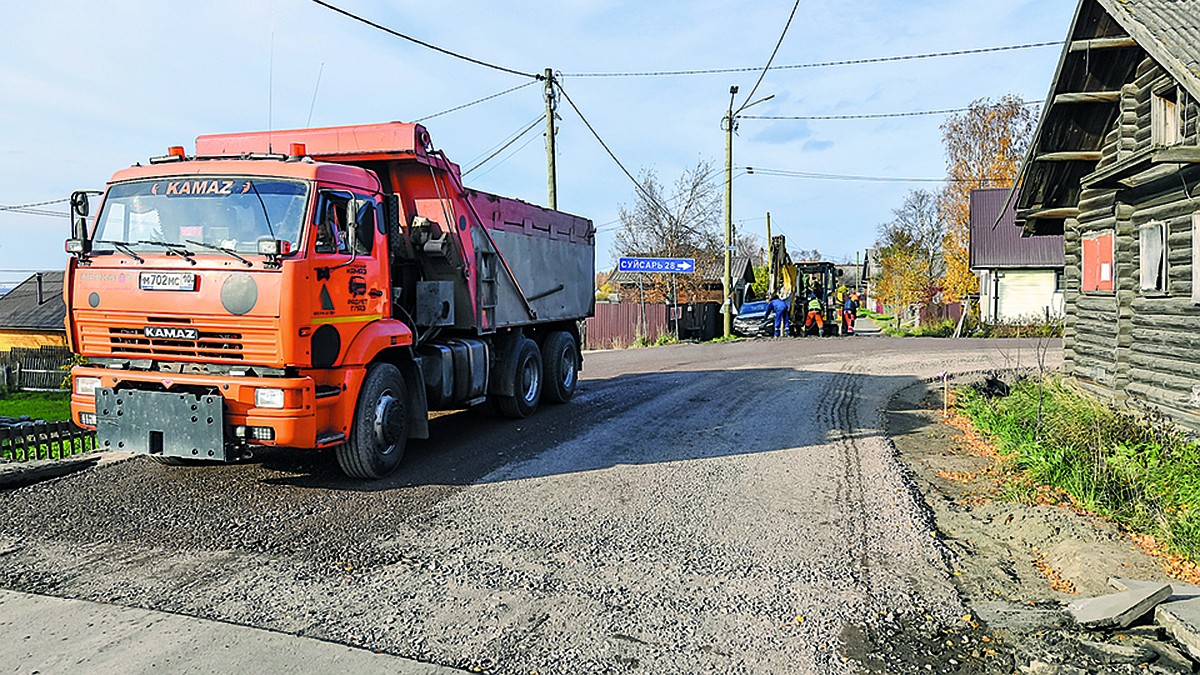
[510, 262]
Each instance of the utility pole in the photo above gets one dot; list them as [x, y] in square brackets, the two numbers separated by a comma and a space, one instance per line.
[727, 306]
[729, 122]
[770, 259]
[551, 106]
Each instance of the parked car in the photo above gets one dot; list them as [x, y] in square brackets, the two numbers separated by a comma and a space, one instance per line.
[752, 320]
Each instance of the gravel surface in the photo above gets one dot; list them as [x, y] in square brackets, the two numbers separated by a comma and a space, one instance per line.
[732, 508]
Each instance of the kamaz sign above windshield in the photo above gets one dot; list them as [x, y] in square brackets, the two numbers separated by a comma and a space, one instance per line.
[201, 187]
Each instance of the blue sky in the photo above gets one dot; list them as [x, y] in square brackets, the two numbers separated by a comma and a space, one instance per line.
[89, 88]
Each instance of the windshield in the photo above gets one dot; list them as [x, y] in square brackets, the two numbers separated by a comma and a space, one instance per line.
[227, 212]
[753, 308]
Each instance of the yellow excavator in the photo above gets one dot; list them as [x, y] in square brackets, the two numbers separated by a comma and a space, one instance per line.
[796, 281]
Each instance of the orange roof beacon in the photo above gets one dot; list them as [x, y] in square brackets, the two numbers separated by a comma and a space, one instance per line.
[329, 297]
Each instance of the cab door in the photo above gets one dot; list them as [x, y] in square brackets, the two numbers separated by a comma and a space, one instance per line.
[350, 282]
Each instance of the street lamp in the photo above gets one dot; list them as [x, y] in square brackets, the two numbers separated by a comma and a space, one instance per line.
[730, 123]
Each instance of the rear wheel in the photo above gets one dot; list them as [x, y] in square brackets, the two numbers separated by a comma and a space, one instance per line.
[380, 429]
[527, 383]
[560, 364]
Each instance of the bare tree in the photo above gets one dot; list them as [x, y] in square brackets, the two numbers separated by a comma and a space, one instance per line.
[682, 222]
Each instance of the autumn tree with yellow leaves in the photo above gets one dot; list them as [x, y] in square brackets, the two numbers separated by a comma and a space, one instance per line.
[985, 146]
[910, 245]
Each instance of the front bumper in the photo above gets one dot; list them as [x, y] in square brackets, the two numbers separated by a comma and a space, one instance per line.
[158, 415]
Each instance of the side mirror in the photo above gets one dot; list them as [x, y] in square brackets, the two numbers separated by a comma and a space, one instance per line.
[79, 245]
[80, 203]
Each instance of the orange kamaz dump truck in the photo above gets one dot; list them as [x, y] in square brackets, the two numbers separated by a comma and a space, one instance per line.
[328, 296]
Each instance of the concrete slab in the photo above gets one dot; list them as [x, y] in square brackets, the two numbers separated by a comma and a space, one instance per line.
[1182, 620]
[57, 635]
[1178, 591]
[1118, 609]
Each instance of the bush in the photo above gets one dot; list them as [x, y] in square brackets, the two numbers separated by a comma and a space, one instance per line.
[1032, 327]
[1130, 464]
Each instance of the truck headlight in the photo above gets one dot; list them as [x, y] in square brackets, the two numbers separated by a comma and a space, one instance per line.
[268, 398]
[87, 386]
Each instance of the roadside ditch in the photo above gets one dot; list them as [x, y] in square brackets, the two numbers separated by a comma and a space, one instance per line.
[1018, 567]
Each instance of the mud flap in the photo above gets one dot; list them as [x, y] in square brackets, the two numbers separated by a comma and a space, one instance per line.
[162, 423]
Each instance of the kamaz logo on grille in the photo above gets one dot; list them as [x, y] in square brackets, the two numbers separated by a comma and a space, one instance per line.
[171, 333]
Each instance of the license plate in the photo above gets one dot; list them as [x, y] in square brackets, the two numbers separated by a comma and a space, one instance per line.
[167, 281]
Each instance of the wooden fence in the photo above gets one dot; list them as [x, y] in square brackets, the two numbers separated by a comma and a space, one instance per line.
[619, 325]
[34, 368]
[22, 442]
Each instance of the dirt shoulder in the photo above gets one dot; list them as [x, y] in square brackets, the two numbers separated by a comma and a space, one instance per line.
[1017, 564]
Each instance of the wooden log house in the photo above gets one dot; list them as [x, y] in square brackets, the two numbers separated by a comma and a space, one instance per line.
[1115, 167]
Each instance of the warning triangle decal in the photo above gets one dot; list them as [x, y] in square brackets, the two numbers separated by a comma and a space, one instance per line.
[326, 301]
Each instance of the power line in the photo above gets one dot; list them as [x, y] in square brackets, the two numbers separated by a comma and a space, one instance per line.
[645, 193]
[427, 45]
[820, 64]
[506, 145]
[26, 206]
[504, 140]
[512, 154]
[477, 101]
[778, 44]
[870, 116]
[783, 173]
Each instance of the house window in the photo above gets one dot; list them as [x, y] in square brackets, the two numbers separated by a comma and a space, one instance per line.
[1152, 256]
[1196, 258]
[1097, 262]
[1166, 118]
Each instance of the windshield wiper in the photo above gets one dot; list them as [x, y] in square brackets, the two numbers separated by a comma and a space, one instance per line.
[263, 204]
[223, 249]
[172, 247]
[124, 247]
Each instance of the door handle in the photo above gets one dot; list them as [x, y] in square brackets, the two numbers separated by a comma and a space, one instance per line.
[375, 293]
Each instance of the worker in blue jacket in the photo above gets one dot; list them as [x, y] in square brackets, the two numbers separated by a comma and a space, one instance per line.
[780, 308]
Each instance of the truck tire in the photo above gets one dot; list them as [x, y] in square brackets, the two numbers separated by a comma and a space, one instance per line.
[380, 428]
[560, 365]
[527, 383]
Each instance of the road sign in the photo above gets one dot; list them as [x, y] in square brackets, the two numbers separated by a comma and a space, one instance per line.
[660, 265]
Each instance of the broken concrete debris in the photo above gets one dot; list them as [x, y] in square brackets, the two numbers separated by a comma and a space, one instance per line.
[1182, 621]
[1176, 616]
[1118, 610]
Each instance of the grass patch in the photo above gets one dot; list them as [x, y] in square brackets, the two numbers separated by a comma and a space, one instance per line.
[1132, 466]
[51, 406]
[874, 316]
[943, 328]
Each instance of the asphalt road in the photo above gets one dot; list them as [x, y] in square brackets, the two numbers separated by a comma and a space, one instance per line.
[697, 508]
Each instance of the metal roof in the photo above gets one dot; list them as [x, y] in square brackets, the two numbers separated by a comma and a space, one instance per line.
[20, 309]
[996, 241]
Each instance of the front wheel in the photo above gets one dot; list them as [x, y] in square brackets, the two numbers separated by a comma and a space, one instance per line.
[527, 384]
[560, 363]
[380, 429]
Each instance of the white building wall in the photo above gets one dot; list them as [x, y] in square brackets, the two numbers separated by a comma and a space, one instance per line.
[1025, 295]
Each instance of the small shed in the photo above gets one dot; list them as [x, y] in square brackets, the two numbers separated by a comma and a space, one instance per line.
[33, 314]
[1114, 168]
[1020, 278]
